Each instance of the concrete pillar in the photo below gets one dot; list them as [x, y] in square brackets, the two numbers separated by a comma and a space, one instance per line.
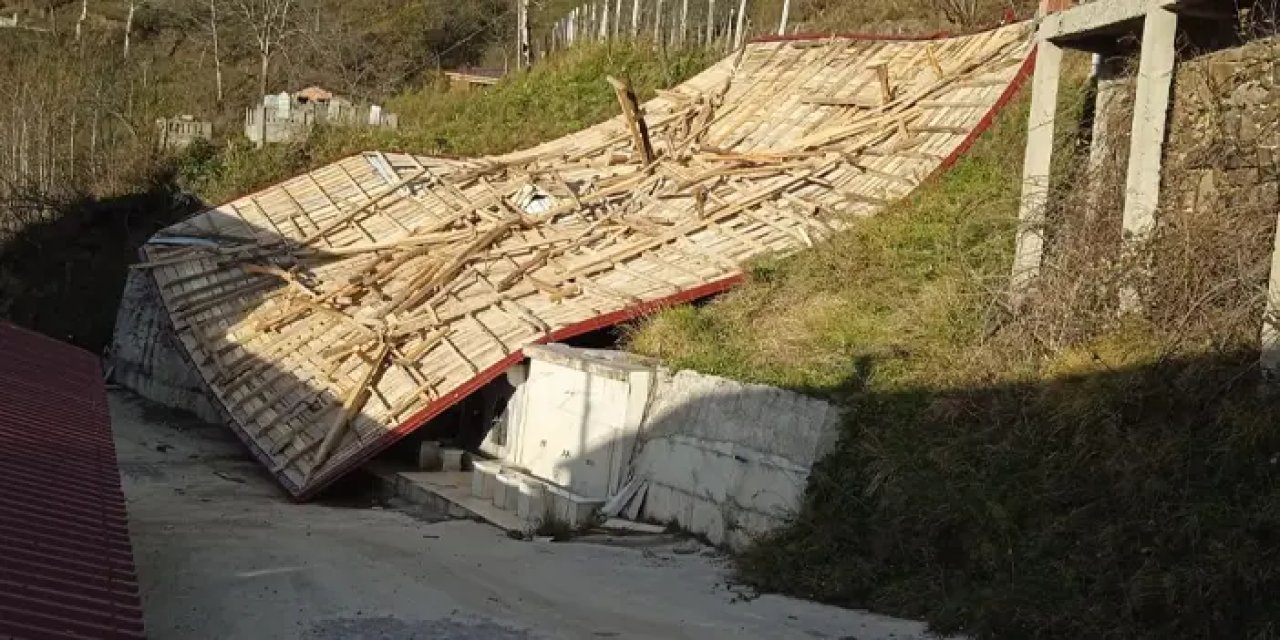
[1146, 146]
[1270, 359]
[1029, 251]
[1110, 85]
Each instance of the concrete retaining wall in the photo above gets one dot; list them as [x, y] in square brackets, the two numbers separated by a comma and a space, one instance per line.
[722, 459]
[147, 358]
[729, 460]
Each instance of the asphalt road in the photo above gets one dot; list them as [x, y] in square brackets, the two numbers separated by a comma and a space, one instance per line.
[221, 553]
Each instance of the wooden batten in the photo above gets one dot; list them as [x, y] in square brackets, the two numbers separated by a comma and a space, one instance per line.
[361, 293]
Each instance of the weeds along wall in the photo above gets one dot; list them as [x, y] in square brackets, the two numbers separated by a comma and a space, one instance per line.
[1222, 193]
[1204, 273]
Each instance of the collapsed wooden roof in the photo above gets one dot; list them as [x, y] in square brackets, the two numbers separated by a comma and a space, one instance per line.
[337, 311]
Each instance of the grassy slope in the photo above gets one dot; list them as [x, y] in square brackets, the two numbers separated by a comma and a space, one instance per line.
[1123, 485]
[903, 290]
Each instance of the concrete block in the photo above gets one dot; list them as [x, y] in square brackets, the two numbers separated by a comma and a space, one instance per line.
[451, 459]
[430, 456]
[484, 476]
[531, 502]
[506, 492]
[571, 509]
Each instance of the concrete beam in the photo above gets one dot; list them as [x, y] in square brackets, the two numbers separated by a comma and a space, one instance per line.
[1029, 253]
[1087, 21]
[1146, 146]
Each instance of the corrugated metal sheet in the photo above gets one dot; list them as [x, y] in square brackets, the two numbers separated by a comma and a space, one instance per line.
[66, 564]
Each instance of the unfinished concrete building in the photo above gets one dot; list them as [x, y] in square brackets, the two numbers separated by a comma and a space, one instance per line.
[291, 116]
[1133, 105]
[179, 132]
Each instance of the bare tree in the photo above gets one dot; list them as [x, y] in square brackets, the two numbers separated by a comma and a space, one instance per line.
[84, 13]
[268, 22]
[657, 24]
[128, 26]
[523, 52]
[739, 35]
[684, 21]
[711, 20]
[217, 54]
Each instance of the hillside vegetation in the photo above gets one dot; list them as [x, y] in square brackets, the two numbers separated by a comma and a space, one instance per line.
[1058, 472]
[562, 95]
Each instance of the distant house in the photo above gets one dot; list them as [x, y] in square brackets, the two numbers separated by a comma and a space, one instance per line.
[472, 77]
[180, 132]
[287, 116]
[14, 21]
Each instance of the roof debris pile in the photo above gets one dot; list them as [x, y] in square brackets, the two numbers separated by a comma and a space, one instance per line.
[339, 310]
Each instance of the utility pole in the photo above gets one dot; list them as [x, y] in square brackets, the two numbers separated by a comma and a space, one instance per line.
[786, 15]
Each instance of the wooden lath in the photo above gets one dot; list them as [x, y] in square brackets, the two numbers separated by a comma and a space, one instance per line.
[381, 287]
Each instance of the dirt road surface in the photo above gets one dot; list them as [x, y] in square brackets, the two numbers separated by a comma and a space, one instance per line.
[221, 553]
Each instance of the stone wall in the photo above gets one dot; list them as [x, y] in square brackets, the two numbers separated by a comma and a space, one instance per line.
[1225, 132]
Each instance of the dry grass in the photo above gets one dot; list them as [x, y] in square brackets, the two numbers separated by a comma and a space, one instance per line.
[1062, 472]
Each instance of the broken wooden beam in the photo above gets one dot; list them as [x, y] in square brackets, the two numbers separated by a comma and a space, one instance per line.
[882, 73]
[635, 121]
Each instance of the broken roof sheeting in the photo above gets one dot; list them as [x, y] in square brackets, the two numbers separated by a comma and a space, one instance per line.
[66, 564]
[347, 306]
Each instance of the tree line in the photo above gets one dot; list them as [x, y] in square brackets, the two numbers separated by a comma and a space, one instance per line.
[82, 86]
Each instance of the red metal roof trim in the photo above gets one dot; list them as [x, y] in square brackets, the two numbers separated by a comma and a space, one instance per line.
[66, 564]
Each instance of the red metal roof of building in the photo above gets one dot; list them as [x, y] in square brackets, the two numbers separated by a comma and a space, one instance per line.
[66, 564]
